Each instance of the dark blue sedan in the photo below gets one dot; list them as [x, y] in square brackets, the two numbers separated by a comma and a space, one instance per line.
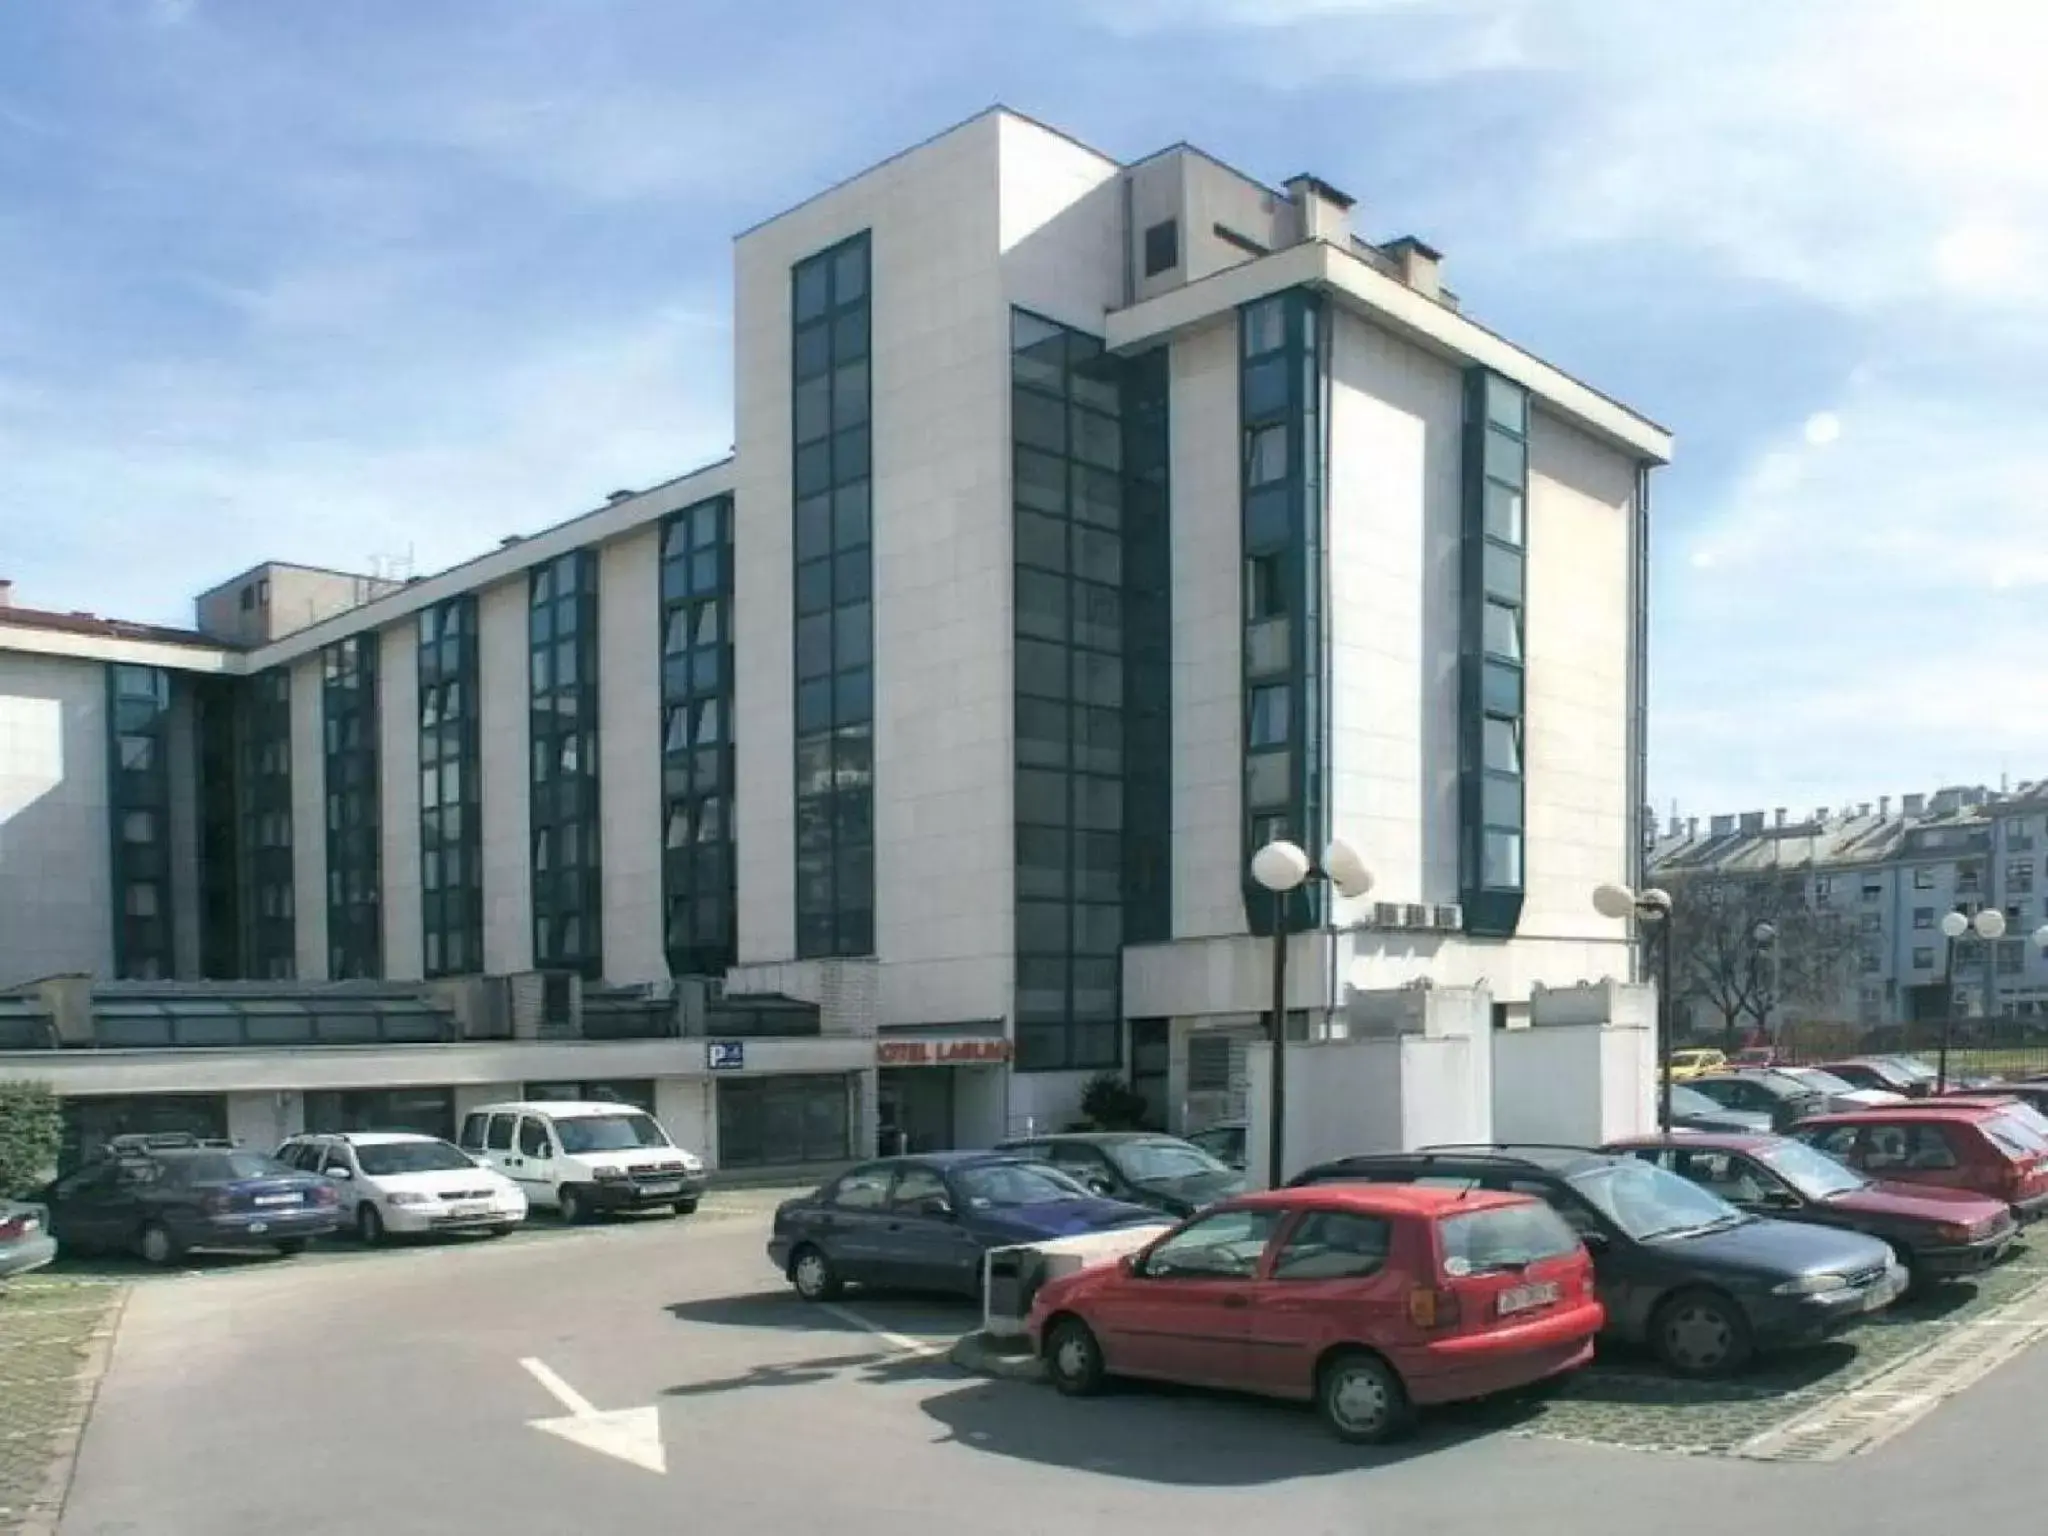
[922, 1223]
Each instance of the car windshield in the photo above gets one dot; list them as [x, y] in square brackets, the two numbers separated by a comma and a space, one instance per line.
[1148, 1162]
[226, 1167]
[2026, 1115]
[622, 1132]
[2015, 1135]
[1648, 1202]
[385, 1158]
[1690, 1101]
[1506, 1237]
[1814, 1174]
[1819, 1080]
[1918, 1070]
[988, 1185]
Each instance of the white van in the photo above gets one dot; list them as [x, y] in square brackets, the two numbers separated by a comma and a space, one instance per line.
[584, 1158]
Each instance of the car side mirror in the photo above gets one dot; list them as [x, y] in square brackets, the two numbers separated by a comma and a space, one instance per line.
[1595, 1241]
[937, 1206]
[1132, 1264]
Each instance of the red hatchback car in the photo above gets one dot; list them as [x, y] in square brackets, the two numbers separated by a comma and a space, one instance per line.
[1369, 1299]
[1981, 1146]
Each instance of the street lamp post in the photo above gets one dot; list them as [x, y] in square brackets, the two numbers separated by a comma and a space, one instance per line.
[1989, 925]
[1653, 908]
[1765, 937]
[1282, 868]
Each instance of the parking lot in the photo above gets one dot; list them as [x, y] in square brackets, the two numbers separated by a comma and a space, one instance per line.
[658, 1372]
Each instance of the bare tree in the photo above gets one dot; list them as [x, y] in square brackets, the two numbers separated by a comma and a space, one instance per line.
[1742, 944]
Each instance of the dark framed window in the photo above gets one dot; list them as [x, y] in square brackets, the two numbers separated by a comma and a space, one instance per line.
[268, 900]
[216, 703]
[1092, 671]
[451, 790]
[1492, 685]
[786, 1119]
[831, 479]
[348, 722]
[1281, 365]
[698, 879]
[1162, 247]
[568, 875]
[139, 809]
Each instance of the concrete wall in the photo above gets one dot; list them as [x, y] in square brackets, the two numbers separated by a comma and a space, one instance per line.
[941, 573]
[398, 789]
[1581, 497]
[629, 755]
[259, 1121]
[309, 819]
[508, 781]
[687, 1110]
[55, 861]
[1208, 636]
[1380, 1095]
[1396, 418]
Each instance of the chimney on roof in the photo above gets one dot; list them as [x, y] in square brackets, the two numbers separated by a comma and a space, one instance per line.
[1323, 211]
[1692, 826]
[1884, 806]
[1778, 816]
[1752, 822]
[1912, 805]
[1420, 264]
[1863, 809]
[1721, 826]
[6, 594]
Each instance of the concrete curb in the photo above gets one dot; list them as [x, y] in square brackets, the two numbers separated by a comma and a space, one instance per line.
[47, 1509]
[1000, 1358]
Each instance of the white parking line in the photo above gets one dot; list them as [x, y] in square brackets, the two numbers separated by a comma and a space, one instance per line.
[902, 1341]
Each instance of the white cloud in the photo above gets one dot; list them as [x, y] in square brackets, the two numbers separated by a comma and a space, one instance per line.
[1822, 428]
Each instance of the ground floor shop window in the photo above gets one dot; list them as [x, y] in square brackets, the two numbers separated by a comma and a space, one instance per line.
[801, 1118]
[90, 1123]
[424, 1111]
[638, 1092]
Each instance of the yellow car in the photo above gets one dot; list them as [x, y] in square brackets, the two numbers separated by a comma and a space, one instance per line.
[1685, 1064]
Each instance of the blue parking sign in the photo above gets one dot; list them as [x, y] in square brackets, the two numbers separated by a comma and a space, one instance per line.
[726, 1055]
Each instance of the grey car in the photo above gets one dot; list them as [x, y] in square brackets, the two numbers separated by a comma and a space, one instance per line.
[25, 1241]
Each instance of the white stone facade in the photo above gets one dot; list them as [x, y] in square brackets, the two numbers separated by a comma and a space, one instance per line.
[1003, 213]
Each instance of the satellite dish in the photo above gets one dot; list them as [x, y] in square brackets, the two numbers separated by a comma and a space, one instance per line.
[1345, 869]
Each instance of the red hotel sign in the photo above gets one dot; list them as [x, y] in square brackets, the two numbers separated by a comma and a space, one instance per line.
[940, 1053]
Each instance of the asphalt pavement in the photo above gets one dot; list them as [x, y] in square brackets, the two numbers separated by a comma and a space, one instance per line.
[678, 1385]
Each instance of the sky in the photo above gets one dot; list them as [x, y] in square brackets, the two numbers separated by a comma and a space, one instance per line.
[370, 282]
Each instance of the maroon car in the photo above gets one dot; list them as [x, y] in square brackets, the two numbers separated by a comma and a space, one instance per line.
[1937, 1233]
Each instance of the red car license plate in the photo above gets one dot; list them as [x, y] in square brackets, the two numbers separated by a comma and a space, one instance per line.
[1526, 1298]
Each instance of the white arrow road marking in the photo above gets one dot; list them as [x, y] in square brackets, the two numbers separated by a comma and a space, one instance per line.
[631, 1434]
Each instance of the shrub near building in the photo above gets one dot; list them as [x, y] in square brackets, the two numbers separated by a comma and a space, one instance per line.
[31, 1129]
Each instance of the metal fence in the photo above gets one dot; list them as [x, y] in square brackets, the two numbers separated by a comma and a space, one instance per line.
[1977, 1047]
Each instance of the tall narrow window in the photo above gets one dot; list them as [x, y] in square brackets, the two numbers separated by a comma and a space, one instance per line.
[348, 708]
[831, 480]
[1085, 580]
[1281, 454]
[1148, 649]
[698, 879]
[1493, 697]
[451, 791]
[269, 923]
[216, 709]
[139, 805]
[568, 881]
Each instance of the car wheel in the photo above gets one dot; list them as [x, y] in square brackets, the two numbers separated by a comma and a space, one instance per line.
[291, 1247]
[1701, 1333]
[500, 1231]
[686, 1207]
[575, 1209]
[369, 1225]
[1362, 1399]
[1073, 1358]
[813, 1275]
[156, 1245]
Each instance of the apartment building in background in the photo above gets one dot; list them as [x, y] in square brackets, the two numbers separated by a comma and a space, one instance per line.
[1088, 525]
[1893, 869]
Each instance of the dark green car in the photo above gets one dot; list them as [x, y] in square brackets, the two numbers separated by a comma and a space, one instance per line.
[1143, 1167]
